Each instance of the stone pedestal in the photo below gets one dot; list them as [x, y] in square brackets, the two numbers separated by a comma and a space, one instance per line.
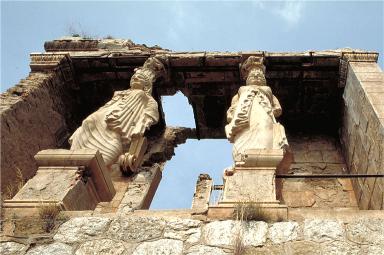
[252, 180]
[73, 179]
[250, 185]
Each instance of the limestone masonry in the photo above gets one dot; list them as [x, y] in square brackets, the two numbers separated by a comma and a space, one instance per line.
[84, 143]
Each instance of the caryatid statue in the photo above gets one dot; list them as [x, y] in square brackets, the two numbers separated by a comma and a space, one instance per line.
[121, 122]
[252, 116]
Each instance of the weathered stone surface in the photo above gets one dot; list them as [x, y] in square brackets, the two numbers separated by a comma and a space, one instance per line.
[366, 231]
[268, 249]
[299, 198]
[33, 114]
[340, 247]
[282, 232]
[160, 247]
[202, 193]
[183, 229]
[323, 230]
[12, 248]
[373, 249]
[51, 249]
[224, 233]
[302, 247]
[81, 229]
[204, 250]
[136, 228]
[254, 233]
[221, 233]
[362, 129]
[102, 247]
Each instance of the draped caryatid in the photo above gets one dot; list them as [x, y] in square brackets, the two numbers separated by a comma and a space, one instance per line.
[114, 126]
[252, 116]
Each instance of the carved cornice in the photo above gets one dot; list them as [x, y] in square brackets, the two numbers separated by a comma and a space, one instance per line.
[347, 57]
[360, 56]
[47, 61]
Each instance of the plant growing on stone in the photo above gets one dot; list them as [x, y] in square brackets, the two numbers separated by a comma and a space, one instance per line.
[238, 245]
[247, 211]
[13, 188]
[48, 214]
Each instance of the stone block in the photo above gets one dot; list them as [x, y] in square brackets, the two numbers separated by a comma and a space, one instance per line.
[160, 247]
[318, 230]
[376, 98]
[281, 232]
[364, 199]
[254, 233]
[304, 198]
[376, 202]
[12, 248]
[205, 250]
[346, 184]
[80, 229]
[104, 246]
[136, 229]
[365, 67]
[90, 159]
[183, 229]
[366, 231]
[376, 76]
[52, 249]
[60, 185]
[250, 184]
[220, 233]
[224, 233]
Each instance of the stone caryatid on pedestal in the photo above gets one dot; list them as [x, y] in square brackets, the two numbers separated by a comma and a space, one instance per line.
[117, 128]
[252, 116]
[259, 141]
[79, 178]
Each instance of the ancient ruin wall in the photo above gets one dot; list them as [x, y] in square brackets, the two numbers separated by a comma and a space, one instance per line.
[135, 234]
[363, 131]
[34, 116]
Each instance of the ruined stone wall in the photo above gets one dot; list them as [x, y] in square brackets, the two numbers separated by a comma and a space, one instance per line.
[34, 116]
[135, 234]
[363, 131]
[317, 154]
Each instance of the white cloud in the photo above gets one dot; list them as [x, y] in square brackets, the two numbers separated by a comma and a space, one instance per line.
[291, 11]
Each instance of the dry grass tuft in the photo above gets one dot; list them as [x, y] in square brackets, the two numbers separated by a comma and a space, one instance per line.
[247, 211]
[238, 245]
[48, 213]
[12, 188]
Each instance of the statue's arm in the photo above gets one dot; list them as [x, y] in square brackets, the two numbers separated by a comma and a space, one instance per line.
[232, 108]
[151, 112]
[231, 111]
[277, 111]
[150, 116]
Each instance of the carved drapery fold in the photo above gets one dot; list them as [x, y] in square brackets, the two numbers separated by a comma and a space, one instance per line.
[121, 122]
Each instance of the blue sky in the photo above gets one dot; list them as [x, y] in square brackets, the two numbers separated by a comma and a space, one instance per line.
[190, 26]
